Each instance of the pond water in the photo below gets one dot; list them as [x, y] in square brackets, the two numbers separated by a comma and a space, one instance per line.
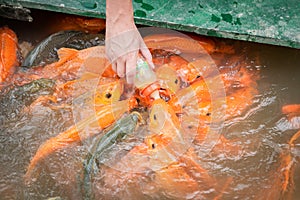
[253, 170]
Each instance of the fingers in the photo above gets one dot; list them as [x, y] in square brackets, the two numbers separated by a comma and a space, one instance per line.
[121, 67]
[131, 67]
[147, 55]
[122, 50]
[126, 66]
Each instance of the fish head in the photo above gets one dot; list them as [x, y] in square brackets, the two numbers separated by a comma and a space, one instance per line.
[168, 78]
[108, 93]
[163, 119]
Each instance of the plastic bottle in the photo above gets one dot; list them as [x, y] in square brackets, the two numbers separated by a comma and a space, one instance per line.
[145, 79]
[144, 74]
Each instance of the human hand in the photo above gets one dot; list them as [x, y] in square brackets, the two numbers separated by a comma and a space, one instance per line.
[123, 40]
[122, 50]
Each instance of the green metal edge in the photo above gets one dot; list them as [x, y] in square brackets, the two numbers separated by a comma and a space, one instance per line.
[274, 22]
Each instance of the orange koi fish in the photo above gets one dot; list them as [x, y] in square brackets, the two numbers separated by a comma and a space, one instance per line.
[100, 90]
[79, 23]
[178, 43]
[167, 153]
[182, 67]
[8, 53]
[104, 117]
[186, 71]
[240, 88]
[198, 107]
[212, 46]
[71, 64]
[168, 78]
[72, 60]
[291, 110]
[287, 166]
[165, 138]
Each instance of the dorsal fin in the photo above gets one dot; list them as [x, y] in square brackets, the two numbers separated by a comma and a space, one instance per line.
[65, 53]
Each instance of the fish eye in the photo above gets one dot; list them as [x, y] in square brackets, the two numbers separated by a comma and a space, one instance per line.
[176, 81]
[108, 95]
[208, 114]
[153, 146]
[138, 100]
[154, 117]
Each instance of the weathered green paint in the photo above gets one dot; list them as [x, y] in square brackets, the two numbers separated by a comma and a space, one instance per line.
[266, 21]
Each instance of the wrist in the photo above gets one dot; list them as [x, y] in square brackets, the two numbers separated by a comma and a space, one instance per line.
[119, 14]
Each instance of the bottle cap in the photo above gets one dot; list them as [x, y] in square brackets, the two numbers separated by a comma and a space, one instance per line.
[150, 89]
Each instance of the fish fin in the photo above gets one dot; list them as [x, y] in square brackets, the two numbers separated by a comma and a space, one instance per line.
[89, 75]
[65, 53]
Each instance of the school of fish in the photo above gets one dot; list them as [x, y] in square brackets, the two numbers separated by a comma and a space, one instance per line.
[176, 122]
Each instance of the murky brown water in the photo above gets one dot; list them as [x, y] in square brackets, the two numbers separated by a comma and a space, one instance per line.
[253, 172]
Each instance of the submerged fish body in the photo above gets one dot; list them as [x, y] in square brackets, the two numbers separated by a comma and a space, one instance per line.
[179, 43]
[287, 167]
[293, 113]
[78, 23]
[121, 128]
[46, 51]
